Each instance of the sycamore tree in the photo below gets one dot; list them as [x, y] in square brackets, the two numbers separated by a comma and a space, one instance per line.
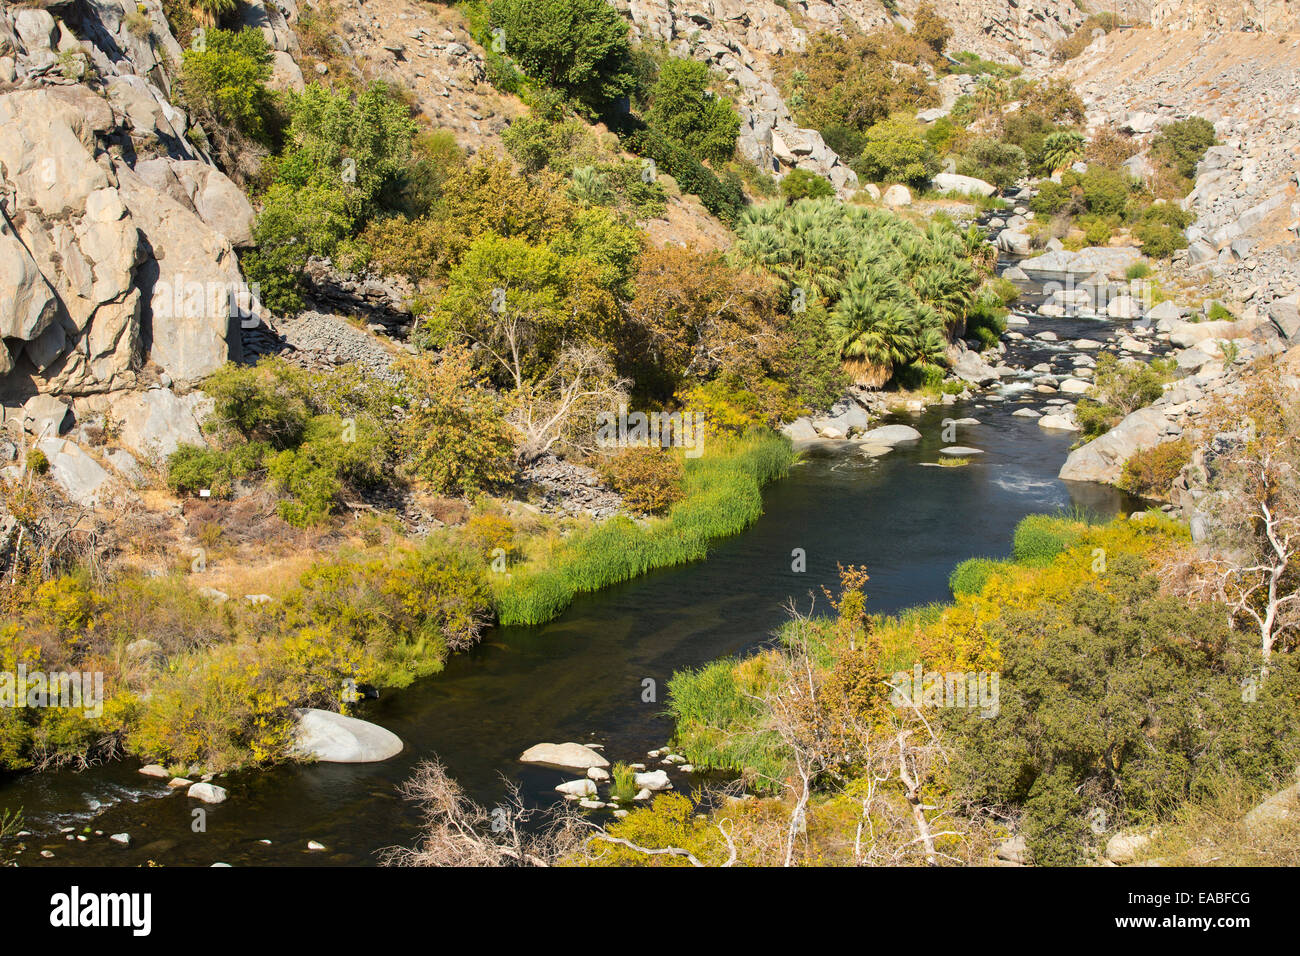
[1252, 559]
[536, 319]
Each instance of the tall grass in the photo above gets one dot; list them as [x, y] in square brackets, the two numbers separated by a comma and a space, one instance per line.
[723, 495]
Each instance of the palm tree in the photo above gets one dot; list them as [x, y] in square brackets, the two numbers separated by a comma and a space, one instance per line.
[1062, 149]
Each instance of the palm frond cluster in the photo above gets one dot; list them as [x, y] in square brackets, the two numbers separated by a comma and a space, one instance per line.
[893, 294]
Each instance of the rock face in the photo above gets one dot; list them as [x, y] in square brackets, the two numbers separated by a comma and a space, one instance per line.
[1245, 242]
[94, 260]
[568, 756]
[1103, 458]
[334, 738]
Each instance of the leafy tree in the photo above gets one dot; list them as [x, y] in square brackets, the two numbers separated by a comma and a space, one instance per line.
[577, 46]
[896, 152]
[455, 432]
[522, 304]
[360, 145]
[295, 224]
[225, 82]
[684, 109]
[805, 184]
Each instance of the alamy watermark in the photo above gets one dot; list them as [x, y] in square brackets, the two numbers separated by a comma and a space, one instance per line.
[974, 690]
[74, 690]
[620, 429]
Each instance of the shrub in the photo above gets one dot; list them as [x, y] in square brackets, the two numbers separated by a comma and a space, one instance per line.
[649, 479]
[579, 47]
[1150, 471]
[970, 576]
[805, 184]
[1160, 229]
[1182, 144]
[455, 432]
[724, 199]
[192, 469]
[295, 223]
[1001, 164]
[896, 152]
[684, 110]
[225, 82]
[1052, 198]
[930, 28]
[1040, 538]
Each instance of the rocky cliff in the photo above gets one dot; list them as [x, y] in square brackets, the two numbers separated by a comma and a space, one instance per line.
[118, 232]
[1245, 244]
[1267, 15]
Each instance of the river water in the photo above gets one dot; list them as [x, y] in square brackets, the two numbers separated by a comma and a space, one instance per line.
[581, 677]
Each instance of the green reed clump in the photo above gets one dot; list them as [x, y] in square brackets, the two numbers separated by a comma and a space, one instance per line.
[720, 726]
[723, 495]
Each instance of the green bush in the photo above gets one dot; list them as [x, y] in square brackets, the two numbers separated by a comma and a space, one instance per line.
[226, 81]
[1182, 144]
[805, 184]
[684, 110]
[970, 576]
[724, 199]
[1001, 164]
[1160, 229]
[1040, 538]
[896, 152]
[192, 468]
[579, 47]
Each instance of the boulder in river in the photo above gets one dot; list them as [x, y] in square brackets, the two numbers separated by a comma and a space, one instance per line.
[334, 738]
[655, 780]
[890, 435]
[568, 756]
[207, 792]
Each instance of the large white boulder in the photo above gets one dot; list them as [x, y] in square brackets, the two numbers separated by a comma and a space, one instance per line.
[334, 738]
[963, 185]
[569, 756]
[82, 479]
[890, 435]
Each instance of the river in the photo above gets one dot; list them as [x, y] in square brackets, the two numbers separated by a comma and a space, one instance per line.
[581, 676]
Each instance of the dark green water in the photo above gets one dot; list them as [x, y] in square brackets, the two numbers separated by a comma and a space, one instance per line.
[580, 677]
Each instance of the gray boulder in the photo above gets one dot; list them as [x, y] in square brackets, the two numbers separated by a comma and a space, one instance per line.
[890, 435]
[334, 738]
[82, 479]
[1102, 459]
[569, 756]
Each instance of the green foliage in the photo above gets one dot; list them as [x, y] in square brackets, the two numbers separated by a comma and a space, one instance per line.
[225, 81]
[1093, 713]
[683, 109]
[579, 47]
[1062, 149]
[1040, 538]
[805, 184]
[719, 724]
[1182, 144]
[896, 152]
[455, 432]
[1161, 229]
[1001, 164]
[971, 575]
[722, 494]
[192, 469]
[723, 198]
[891, 291]
[1120, 388]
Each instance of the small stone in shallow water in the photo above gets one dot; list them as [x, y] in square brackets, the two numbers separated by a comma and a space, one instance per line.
[313, 845]
[122, 838]
[960, 451]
